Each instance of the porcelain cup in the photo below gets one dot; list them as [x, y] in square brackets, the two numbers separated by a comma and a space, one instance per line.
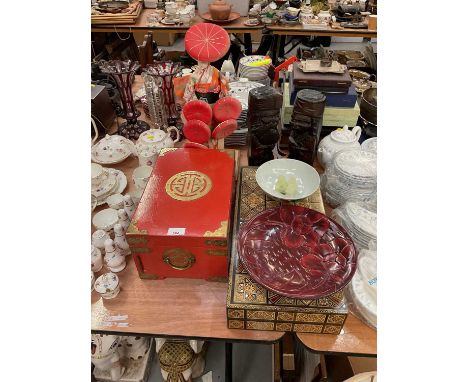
[147, 158]
[141, 175]
[97, 174]
[115, 201]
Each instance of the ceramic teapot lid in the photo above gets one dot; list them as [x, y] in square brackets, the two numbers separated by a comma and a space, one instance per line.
[106, 283]
[152, 136]
[344, 135]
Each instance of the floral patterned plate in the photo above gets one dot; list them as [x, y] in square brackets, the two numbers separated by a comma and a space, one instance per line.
[112, 149]
[120, 184]
[297, 252]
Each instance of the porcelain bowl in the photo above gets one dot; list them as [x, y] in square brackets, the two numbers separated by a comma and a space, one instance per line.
[115, 201]
[307, 178]
[106, 219]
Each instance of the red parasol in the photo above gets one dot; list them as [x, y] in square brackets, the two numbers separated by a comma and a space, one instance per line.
[194, 145]
[197, 131]
[197, 110]
[207, 42]
[227, 108]
[224, 129]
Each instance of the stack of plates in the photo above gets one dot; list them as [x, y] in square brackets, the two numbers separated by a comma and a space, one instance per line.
[249, 68]
[240, 90]
[114, 182]
[363, 287]
[370, 145]
[359, 222]
[353, 176]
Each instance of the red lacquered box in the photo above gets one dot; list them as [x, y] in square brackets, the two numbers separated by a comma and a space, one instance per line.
[182, 223]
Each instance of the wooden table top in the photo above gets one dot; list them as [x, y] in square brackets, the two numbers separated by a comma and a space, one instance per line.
[237, 26]
[356, 339]
[292, 30]
[197, 308]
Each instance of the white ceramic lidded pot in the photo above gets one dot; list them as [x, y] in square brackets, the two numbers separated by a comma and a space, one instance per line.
[306, 16]
[107, 285]
[156, 139]
[338, 140]
[115, 260]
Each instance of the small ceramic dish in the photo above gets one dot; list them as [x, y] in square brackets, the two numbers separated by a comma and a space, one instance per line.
[251, 22]
[354, 55]
[359, 74]
[107, 285]
[115, 201]
[307, 178]
[106, 219]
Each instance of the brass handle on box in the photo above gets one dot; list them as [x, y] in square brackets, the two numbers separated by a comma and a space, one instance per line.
[179, 261]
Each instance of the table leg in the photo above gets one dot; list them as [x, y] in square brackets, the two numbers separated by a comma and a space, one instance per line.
[248, 44]
[274, 49]
[281, 46]
[228, 356]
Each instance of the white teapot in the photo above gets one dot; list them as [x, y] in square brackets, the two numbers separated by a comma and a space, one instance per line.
[152, 141]
[338, 140]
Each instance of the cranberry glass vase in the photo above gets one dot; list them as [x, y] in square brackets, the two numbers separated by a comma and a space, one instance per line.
[165, 71]
[123, 73]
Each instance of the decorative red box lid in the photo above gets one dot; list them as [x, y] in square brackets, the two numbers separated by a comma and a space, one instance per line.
[188, 195]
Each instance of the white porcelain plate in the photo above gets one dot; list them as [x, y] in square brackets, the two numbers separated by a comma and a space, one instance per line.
[307, 178]
[106, 219]
[119, 187]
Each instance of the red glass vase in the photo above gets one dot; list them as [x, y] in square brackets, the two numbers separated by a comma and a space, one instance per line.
[123, 73]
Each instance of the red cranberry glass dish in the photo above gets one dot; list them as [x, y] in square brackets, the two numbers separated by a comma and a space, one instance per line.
[227, 108]
[224, 129]
[297, 252]
[197, 109]
[197, 131]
